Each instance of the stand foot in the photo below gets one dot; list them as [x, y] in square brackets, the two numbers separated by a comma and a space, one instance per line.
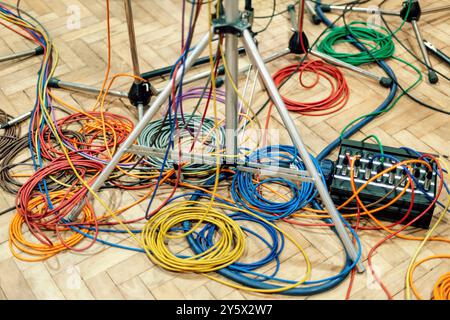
[432, 77]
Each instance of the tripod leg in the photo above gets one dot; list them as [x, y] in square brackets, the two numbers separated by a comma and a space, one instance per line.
[140, 108]
[147, 116]
[139, 103]
[24, 54]
[132, 38]
[78, 87]
[385, 82]
[432, 76]
[255, 58]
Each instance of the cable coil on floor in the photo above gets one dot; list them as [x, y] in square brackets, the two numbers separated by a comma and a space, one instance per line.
[339, 91]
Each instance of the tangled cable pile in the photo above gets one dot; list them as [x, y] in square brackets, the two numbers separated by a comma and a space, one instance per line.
[247, 193]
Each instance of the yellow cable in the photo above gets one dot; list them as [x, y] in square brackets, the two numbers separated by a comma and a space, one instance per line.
[409, 279]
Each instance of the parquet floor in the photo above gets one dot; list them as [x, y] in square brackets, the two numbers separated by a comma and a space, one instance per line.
[107, 273]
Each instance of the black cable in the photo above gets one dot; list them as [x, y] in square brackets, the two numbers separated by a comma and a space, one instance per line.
[347, 27]
[274, 7]
[7, 210]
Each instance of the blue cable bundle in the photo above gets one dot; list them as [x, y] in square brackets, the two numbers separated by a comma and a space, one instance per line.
[246, 193]
[245, 274]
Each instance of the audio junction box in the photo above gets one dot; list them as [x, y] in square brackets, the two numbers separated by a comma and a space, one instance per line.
[388, 186]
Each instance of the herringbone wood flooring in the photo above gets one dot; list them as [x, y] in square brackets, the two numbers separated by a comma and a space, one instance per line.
[107, 273]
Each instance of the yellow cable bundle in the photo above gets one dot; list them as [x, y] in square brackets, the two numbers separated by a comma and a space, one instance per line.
[226, 250]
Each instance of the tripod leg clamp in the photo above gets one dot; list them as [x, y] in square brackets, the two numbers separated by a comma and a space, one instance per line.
[295, 45]
[411, 13]
[140, 94]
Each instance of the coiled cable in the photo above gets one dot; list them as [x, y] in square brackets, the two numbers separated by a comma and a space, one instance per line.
[158, 134]
[246, 191]
[335, 101]
[380, 44]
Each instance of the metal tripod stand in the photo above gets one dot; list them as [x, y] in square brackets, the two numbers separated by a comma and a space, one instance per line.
[24, 54]
[410, 12]
[234, 27]
[140, 92]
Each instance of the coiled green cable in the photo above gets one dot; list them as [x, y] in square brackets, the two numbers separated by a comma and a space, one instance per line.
[376, 38]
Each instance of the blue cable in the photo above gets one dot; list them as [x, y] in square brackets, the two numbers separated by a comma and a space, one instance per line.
[170, 145]
[316, 286]
[245, 192]
[393, 89]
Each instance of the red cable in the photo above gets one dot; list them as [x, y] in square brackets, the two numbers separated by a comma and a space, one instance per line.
[300, 25]
[337, 98]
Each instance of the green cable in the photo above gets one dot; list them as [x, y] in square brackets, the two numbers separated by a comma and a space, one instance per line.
[379, 44]
[393, 103]
[374, 137]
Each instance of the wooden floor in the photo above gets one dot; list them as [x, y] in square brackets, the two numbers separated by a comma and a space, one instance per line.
[108, 273]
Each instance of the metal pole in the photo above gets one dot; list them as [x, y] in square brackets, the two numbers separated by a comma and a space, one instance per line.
[365, 10]
[231, 98]
[132, 39]
[23, 54]
[15, 121]
[345, 65]
[432, 77]
[436, 9]
[436, 52]
[86, 89]
[255, 58]
[292, 18]
[134, 53]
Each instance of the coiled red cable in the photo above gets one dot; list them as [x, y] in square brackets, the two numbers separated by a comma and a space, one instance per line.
[337, 98]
